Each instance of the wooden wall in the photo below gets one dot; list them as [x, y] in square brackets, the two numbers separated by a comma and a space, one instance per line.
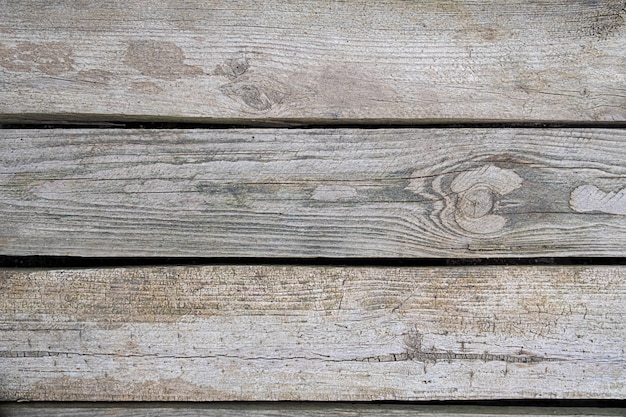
[314, 201]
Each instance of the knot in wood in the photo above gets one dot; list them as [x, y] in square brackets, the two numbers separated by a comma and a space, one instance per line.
[259, 95]
[475, 202]
[233, 68]
[477, 190]
[254, 97]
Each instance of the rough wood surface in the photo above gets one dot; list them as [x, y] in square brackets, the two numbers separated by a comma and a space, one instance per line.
[312, 60]
[295, 410]
[312, 333]
[310, 193]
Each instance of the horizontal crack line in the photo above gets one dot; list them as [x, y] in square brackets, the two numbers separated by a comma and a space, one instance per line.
[454, 356]
[391, 357]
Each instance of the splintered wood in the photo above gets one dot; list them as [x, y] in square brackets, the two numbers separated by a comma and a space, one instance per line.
[313, 333]
[310, 193]
[301, 61]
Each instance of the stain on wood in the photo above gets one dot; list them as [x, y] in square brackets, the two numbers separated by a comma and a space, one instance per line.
[589, 198]
[48, 58]
[157, 59]
[608, 21]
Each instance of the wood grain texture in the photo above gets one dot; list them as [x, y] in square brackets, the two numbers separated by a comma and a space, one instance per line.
[313, 60]
[291, 409]
[313, 193]
[312, 333]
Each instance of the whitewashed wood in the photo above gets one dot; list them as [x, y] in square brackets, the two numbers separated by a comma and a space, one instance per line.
[309, 193]
[313, 60]
[313, 333]
[296, 410]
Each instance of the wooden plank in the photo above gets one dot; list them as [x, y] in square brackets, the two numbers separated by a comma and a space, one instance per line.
[258, 332]
[313, 60]
[287, 409]
[314, 193]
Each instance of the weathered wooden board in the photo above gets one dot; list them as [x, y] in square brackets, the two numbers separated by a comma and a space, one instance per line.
[291, 409]
[313, 60]
[313, 193]
[313, 333]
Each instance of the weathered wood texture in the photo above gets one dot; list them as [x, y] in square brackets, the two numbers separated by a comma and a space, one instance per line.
[309, 193]
[313, 333]
[311, 60]
[295, 410]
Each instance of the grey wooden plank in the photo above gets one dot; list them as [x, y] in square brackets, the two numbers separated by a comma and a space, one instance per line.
[471, 193]
[286, 409]
[313, 60]
[225, 333]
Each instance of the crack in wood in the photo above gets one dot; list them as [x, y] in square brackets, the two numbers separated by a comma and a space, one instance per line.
[415, 352]
[419, 356]
[449, 356]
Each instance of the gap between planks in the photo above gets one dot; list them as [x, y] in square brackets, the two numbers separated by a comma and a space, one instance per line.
[292, 409]
[57, 262]
[49, 121]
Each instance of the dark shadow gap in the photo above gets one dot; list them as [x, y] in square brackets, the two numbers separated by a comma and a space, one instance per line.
[499, 406]
[103, 262]
[302, 124]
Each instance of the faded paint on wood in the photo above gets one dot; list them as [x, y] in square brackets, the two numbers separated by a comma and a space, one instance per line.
[296, 410]
[310, 193]
[312, 333]
[313, 60]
